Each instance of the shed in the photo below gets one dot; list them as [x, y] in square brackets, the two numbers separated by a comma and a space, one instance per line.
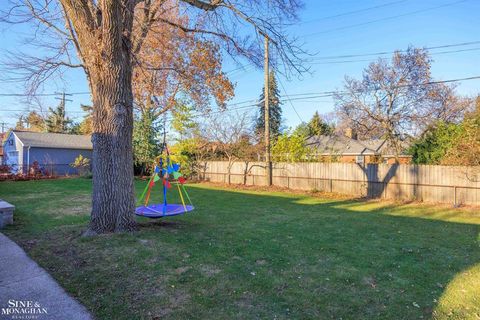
[53, 152]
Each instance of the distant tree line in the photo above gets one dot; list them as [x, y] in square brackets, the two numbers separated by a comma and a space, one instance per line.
[395, 100]
[398, 101]
[56, 121]
[449, 142]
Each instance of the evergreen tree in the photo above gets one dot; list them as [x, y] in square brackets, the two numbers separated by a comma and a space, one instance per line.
[86, 124]
[274, 108]
[465, 150]
[74, 128]
[434, 143]
[20, 125]
[57, 121]
[145, 140]
[302, 129]
[31, 122]
[317, 126]
[183, 122]
[35, 122]
[450, 143]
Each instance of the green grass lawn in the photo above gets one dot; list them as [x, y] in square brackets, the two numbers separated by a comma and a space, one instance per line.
[256, 255]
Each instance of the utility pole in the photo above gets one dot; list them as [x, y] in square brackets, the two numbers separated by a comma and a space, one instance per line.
[63, 99]
[268, 161]
[63, 102]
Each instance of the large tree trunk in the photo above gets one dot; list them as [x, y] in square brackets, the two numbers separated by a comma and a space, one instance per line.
[113, 192]
[110, 79]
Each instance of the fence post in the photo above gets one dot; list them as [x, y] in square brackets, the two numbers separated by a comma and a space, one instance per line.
[411, 176]
[454, 196]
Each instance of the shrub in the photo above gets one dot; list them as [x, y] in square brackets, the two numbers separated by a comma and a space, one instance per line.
[5, 168]
[82, 164]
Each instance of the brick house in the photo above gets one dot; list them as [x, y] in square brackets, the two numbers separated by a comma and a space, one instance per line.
[348, 149]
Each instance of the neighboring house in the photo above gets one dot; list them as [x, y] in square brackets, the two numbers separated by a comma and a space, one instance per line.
[53, 152]
[348, 149]
[2, 137]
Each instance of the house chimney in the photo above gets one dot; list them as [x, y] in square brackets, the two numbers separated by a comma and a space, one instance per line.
[350, 133]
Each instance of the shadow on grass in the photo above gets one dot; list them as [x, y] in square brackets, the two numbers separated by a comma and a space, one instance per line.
[159, 223]
[367, 262]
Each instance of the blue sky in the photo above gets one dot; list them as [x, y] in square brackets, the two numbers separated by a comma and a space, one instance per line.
[328, 28]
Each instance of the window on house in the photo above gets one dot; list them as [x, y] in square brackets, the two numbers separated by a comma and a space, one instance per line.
[360, 159]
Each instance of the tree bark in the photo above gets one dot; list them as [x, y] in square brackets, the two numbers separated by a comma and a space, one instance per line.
[112, 161]
[110, 79]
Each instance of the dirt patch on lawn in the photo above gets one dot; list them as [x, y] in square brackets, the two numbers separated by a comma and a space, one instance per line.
[209, 270]
[182, 270]
[175, 301]
[261, 262]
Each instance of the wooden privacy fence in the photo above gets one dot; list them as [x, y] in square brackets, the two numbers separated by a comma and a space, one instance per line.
[443, 184]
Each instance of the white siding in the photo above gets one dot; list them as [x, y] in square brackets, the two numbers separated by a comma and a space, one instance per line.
[13, 152]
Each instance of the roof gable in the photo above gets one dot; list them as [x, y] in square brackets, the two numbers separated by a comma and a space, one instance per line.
[54, 140]
[373, 144]
[342, 145]
[338, 145]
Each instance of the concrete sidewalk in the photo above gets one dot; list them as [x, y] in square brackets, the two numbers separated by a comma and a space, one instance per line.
[29, 292]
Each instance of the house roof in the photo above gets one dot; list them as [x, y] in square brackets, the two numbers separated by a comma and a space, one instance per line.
[338, 145]
[373, 144]
[342, 145]
[387, 149]
[54, 140]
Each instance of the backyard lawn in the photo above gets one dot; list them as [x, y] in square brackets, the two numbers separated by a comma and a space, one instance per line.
[246, 254]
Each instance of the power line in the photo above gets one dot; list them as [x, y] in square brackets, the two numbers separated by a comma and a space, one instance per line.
[28, 110]
[243, 68]
[329, 94]
[313, 101]
[290, 100]
[461, 44]
[370, 60]
[383, 19]
[313, 60]
[354, 12]
[296, 97]
[39, 94]
[324, 94]
[239, 104]
[199, 115]
[248, 66]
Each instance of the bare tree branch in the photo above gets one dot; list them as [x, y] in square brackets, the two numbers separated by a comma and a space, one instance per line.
[207, 6]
